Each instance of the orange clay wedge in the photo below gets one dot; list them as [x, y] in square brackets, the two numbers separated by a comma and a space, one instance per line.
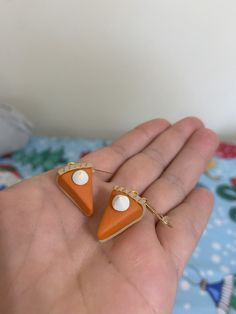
[80, 194]
[115, 221]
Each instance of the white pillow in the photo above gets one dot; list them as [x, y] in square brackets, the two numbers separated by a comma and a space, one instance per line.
[15, 129]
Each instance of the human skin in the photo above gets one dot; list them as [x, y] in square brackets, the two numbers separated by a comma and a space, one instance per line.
[50, 259]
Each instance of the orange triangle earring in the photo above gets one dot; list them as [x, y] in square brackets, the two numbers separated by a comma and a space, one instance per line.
[75, 180]
[124, 209]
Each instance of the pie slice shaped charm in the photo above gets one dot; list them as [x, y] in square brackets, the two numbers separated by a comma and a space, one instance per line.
[75, 180]
[124, 209]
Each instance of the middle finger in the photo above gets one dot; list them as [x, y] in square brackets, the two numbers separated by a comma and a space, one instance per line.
[140, 171]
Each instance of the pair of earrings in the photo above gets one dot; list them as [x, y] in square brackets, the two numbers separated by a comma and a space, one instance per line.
[124, 208]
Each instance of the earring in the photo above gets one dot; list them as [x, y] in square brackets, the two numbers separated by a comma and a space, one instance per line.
[124, 209]
[75, 180]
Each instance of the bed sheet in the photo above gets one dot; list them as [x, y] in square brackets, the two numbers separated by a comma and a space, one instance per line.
[208, 285]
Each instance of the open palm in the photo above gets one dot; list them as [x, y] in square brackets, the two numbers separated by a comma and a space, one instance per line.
[50, 259]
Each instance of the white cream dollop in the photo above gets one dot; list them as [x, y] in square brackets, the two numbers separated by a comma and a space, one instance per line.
[120, 202]
[80, 177]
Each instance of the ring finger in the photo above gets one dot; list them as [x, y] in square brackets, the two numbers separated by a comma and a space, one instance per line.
[181, 176]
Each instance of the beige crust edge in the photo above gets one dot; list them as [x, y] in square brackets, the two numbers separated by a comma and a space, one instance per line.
[74, 166]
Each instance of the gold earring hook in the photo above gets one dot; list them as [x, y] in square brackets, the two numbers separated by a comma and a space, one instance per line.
[164, 219]
[102, 170]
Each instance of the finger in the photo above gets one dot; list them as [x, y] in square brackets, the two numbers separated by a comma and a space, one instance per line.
[141, 170]
[183, 173]
[111, 157]
[189, 220]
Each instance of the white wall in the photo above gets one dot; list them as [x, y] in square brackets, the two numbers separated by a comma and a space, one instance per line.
[97, 67]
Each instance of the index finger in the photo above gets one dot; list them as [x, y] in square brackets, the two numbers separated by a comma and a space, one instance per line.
[111, 157]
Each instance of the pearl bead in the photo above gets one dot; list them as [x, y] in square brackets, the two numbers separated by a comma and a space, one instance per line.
[80, 177]
[120, 202]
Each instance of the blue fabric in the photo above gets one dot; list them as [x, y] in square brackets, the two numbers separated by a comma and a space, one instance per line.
[215, 253]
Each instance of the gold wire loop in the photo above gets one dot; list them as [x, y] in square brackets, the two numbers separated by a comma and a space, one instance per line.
[162, 218]
[102, 170]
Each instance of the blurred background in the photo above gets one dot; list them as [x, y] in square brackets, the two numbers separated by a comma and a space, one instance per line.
[96, 68]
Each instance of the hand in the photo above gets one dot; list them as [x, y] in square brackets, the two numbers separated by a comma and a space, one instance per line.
[50, 259]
